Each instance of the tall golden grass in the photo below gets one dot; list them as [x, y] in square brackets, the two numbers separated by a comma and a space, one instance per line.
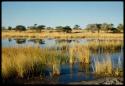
[79, 52]
[47, 34]
[22, 60]
[25, 61]
[105, 68]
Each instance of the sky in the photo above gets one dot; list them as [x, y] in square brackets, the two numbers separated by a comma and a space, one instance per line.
[54, 14]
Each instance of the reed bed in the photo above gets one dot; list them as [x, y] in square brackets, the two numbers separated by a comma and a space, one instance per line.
[80, 53]
[105, 45]
[24, 61]
[105, 68]
[29, 61]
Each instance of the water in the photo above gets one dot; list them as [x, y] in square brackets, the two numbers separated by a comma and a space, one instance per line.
[77, 71]
[43, 42]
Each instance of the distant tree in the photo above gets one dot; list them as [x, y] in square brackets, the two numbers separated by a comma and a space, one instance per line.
[98, 27]
[20, 28]
[110, 27]
[104, 27]
[59, 28]
[40, 27]
[120, 27]
[49, 28]
[76, 27]
[91, 27]
[67, 29]
[115, 30]
[9, 28]
[31, 27]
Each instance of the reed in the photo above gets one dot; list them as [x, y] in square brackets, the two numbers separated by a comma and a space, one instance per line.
[105, 45]
[105, 68]
[24, 61]
[80, 53]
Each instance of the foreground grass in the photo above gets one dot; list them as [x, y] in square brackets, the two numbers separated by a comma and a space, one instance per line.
[29, 61]
[47, 34]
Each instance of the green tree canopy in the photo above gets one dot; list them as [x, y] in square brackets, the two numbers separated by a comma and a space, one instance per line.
[20, 28]
[67, 29]
[40, 27]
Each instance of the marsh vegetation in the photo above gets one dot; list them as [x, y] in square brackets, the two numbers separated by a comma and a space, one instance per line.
[25, 61]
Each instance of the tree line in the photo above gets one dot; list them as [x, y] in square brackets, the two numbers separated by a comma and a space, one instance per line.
[90, 27]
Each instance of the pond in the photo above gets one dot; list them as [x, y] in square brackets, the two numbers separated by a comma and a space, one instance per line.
[77, 71]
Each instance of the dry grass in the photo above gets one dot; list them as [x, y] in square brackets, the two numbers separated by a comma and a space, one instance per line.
[24, 60]
[80, 52]
[105, 68]
[47, 34]
[105, 45]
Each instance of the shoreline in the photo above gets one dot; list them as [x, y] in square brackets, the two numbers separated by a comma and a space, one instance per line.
[100, 81]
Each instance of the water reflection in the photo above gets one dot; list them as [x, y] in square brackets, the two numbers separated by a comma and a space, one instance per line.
[20, 41]
[9, 39]
[58, 41]
[39, 41]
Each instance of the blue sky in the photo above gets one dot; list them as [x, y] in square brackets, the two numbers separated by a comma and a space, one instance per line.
[61, 13]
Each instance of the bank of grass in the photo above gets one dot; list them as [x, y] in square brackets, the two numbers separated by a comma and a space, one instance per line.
[106, 45]
[47, 34]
